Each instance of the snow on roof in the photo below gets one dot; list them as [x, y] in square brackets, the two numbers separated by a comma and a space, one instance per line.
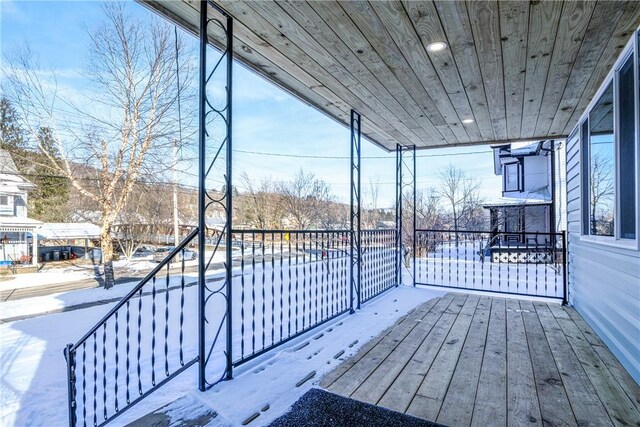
[64, 231]
[16, 223]
[7, 164]
[527, 149]
[9, 172]
[6, 188]
[512, 201]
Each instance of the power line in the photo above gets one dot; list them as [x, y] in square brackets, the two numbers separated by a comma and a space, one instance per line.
[309, 156]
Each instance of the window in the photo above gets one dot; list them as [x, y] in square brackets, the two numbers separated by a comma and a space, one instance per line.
[584, 181]
[627, 126]
[602, 173]
[512, 177]
[514, 220]
[4, 200]
[609, 157]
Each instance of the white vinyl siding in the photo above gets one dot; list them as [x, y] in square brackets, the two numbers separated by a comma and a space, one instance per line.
[604, 277]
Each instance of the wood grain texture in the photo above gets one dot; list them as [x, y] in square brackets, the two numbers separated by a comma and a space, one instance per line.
[571, 30]
[521, 70]
[476, 361]
[514, 18]
[485, 26]
[433, 100]
[439, 75]
[490, 406]
[456, 409]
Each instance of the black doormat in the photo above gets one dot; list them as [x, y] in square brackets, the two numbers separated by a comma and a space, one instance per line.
[318, 408]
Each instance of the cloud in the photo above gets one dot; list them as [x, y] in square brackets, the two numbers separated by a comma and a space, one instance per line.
[10, 9]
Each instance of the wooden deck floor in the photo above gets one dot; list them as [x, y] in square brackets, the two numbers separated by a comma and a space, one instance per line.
[466, 360]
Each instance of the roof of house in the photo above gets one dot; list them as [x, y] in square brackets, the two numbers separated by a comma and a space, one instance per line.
[18, 224]
[11, 181]
[532, 199]
[64, 231]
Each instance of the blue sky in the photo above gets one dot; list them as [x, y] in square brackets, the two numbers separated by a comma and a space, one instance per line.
[266, 119]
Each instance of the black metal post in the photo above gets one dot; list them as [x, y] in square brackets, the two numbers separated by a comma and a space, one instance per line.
[69, 355]
[397, 211]
[229, 196]
[205, 167]
[400, 213]
[552, 214]
[355, 221]
[202, 138]
[565, 266]
[414, 216]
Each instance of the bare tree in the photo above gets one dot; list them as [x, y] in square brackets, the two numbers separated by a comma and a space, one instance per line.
[258, 205]
[143, 218]
[370, 213]
[601, 190]
[461, 195]
[428, 210]
[306, 201]
[127, 120]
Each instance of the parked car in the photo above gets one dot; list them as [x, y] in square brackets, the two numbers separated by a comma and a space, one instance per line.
[161, 253]
[143, 251]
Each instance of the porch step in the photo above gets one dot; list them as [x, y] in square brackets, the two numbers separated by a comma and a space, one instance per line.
[186, 411]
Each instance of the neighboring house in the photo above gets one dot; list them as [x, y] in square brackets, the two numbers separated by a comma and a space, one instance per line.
[603, 181]
[17, 231]
[529, 188]
[66, 240]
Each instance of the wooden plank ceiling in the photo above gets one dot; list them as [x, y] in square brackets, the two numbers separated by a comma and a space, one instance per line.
[520, 70]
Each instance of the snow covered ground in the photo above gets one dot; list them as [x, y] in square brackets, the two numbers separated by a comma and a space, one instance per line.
[70, 273]
[33, 382]
[44, 278]
[463, 267]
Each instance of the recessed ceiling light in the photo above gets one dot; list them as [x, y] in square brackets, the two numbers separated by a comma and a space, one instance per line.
[436, 46]
[466, 121]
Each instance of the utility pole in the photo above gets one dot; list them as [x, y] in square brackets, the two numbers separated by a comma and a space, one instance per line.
[174, 171]
[174, 165]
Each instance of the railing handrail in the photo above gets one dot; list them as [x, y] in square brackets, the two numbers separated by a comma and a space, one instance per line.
[136, 288]
[296, 231]
[300, 231]
[540, 233]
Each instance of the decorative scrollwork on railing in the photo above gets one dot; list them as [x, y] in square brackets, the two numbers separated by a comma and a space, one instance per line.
[216, 38]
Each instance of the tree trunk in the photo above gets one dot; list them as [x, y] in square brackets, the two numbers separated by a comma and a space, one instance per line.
[107, 255]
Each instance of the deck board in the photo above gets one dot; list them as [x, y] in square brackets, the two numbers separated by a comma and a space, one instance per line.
[522, 400]
[466, 360]
[585, 403]
[490, 406]
[550, 389]
[465, 378]
[374, 387]
[431, 393]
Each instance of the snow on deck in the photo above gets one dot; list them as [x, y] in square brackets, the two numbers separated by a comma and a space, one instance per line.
[33, 388]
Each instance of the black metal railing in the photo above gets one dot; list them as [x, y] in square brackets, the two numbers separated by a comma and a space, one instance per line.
[290, 281]
[139, 345]
[522, 263]
[377, 262]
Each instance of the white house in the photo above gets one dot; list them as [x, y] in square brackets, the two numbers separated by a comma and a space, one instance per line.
[17, 231]
[530, 201]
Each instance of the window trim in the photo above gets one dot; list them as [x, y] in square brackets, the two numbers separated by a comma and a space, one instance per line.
[520, 175]
[616, 122]
[632, 48]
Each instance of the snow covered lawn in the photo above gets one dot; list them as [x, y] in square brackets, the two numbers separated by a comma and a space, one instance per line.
[33, 387]
[49, 277]
[463, 267]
